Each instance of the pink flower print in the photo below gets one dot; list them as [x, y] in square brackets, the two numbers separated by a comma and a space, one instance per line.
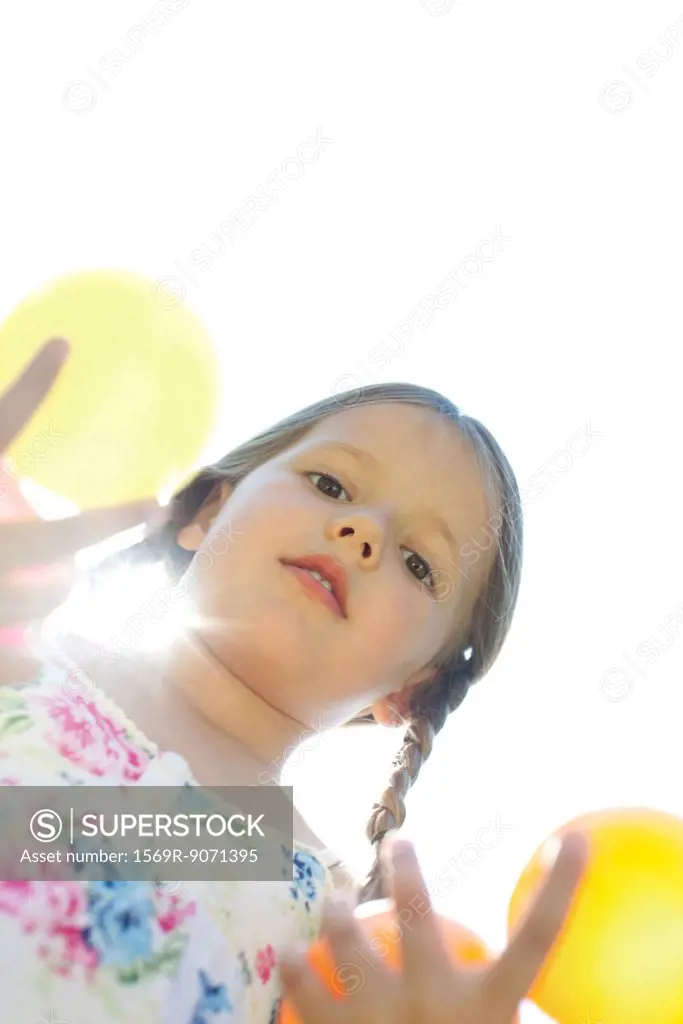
[265, 961]
[172, 910]
[13, 897]
[55, 914]
[91, 740]
[62, 915]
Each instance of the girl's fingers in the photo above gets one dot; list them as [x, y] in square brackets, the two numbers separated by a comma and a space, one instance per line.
[19, 402]
[36, 542]
[357, 972]
[306, 992]
[511, 977]
[23, 603]
[424, 954]
[17, 665]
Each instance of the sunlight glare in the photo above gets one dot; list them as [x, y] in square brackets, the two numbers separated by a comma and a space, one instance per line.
[136, 607]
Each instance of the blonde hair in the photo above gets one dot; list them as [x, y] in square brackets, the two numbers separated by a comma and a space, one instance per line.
[468, 657]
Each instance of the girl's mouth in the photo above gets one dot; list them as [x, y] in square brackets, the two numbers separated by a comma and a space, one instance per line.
[316, 588]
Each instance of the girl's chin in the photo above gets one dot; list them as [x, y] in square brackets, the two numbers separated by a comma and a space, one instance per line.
[207, 647]
[280, 658]
[227, 655]
[238, 666]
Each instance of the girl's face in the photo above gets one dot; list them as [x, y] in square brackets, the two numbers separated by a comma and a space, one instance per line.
[390, 492]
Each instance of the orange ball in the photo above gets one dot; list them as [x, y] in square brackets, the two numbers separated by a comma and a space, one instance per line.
[619, 956]
[383, 930]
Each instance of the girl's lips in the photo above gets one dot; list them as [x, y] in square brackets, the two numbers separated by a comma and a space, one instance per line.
[316, 589]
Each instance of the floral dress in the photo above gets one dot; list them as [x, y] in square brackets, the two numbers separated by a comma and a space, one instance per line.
[100, 952]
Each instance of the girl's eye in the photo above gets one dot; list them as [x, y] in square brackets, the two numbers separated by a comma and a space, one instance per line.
[420, 569]
[328, 485]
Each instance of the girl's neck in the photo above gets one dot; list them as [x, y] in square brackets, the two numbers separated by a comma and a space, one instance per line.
[151, 692]
[228, 736]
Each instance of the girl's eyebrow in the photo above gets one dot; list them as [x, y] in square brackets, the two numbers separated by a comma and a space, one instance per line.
[443, 528]
[358, 453]
[454, 543]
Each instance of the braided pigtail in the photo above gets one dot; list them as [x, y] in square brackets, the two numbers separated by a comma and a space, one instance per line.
[429, 711]
[461, 665]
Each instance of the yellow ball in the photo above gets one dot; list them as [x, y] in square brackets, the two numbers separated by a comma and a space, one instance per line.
[619, 957]
[135, 403]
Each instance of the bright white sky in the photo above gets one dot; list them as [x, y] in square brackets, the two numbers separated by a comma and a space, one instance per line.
[448, 121]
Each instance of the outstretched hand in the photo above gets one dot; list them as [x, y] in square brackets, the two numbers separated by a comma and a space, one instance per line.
[30, 595]
[430, 989]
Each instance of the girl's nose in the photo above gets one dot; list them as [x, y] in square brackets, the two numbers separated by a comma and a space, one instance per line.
[361, 533]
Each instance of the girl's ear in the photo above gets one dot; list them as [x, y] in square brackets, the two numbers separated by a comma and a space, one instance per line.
[394, 709]
[191, 535]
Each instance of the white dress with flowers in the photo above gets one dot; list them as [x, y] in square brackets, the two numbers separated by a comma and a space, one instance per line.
[104, 952]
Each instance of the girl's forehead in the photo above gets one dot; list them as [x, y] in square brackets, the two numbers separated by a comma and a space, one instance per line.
[394, 431]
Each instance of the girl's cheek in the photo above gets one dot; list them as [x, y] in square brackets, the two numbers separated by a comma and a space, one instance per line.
[399, 625]
[282, 511]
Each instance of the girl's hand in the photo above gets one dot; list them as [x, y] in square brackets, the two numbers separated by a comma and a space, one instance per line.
[25, 593]
[429, 989]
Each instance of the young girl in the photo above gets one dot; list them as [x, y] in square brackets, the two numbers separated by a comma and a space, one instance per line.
[356, 562]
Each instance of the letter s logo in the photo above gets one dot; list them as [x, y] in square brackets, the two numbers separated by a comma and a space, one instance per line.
[46, 825]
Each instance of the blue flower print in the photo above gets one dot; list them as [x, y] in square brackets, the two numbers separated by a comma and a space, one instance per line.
[307, 872]
[214, 999]
[121, 913]
[247, 977]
